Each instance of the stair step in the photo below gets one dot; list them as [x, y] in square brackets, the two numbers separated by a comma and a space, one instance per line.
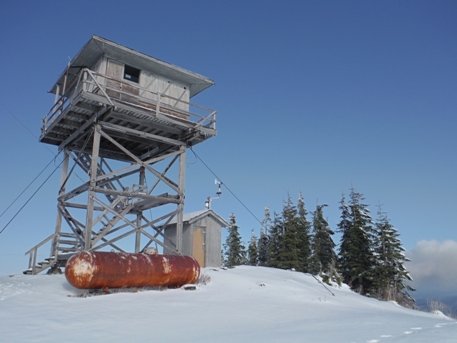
[40, 266]
[65, 234]
[63, 241]
[38, 269]
[65, 256]
[67, 249]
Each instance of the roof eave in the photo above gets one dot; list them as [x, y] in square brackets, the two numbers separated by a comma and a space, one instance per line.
[209, 213]
[98, 46]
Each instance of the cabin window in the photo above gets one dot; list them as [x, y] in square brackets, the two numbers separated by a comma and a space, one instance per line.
[131, 74]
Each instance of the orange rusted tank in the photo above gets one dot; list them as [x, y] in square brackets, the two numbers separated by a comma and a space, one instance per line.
[96, 269]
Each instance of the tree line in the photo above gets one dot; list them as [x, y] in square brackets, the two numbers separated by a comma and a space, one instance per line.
[369, 259]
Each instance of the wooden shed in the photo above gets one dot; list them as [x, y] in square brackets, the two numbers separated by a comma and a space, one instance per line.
[202, 236]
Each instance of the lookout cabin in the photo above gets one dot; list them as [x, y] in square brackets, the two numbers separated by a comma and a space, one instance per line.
[124, 87]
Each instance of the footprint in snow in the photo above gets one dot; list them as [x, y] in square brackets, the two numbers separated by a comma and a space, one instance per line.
[406, 333]
[410, 332]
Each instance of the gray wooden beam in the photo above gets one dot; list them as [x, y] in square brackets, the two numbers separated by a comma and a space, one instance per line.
[168, 182]
[91, 191]
[137, 133]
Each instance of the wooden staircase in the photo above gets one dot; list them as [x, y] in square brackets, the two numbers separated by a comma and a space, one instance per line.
[64, 246]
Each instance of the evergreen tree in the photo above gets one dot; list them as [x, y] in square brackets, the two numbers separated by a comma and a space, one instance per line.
[390, 273]
[314, 265]
[264, 239]
[356, 255]
[289, 246]
[323, 254]
[304, 237]
[253, 256]
[275, 241]
[235, 251]
[344, 227]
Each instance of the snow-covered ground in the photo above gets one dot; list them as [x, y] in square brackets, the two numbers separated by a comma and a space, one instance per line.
[245, 304]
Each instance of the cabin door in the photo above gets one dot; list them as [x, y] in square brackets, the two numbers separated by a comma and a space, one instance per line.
[198, 249]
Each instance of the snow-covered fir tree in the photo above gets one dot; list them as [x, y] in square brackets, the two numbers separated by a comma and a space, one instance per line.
[304, 237]
[322, 242]
[356, 255]
[264, 239]
[234, 250]
[253, 256]
[324, 259]
[390, 272]
[289, 246]
[275, 241]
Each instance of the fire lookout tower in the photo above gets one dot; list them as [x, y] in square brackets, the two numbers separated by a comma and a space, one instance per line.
[123, 121]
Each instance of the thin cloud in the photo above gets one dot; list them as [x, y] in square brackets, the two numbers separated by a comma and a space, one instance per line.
[433, 267]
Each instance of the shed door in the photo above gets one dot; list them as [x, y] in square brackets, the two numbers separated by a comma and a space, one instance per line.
[198, 251]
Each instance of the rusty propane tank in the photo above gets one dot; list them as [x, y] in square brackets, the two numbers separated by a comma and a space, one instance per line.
[96, 269]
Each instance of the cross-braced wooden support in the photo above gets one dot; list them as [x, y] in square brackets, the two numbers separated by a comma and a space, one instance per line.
[114, 209]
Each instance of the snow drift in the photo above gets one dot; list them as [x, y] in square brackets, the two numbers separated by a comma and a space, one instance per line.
[245, 304]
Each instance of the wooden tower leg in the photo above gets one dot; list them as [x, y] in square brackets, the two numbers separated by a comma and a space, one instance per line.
[138, 219]
[91, 192]
[179, 224]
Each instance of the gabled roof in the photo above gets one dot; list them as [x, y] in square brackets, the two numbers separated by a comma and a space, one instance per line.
[195, 216]
[97, 46]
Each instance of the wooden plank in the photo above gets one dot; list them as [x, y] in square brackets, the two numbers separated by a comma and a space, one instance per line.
[149, 123]
[137, 133]
[83, 127]
[75, 192]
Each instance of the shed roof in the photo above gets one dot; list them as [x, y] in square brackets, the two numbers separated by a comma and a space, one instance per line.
[98, 46]
[197, 215]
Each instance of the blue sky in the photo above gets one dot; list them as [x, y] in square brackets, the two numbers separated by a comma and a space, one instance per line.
[312, 96]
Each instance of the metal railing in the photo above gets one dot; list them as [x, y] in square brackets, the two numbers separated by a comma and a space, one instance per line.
[110, 89]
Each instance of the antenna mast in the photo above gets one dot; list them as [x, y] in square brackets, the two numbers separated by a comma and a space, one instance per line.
[218, 194]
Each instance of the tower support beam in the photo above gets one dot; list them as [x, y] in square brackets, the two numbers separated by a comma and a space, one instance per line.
[92, 185]
[179, 226]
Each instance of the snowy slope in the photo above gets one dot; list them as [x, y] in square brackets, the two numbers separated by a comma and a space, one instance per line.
[245, 304]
